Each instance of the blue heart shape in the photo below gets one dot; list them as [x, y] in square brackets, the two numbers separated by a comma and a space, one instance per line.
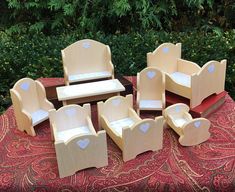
[165, 49]
[211, 68]
[25, 86]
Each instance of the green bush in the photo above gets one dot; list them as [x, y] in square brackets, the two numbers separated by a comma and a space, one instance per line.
[113, 16]
[39, 55]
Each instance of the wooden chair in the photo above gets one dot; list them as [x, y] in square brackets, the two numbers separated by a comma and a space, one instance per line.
[150, 90]
[191, 131]
[30, 104]
[87, 60]
[132, 134]
[77, 144]
[186, 78]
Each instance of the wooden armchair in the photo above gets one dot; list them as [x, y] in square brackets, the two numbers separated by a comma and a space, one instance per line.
[150, 90]
[30, 104]
[87, 60]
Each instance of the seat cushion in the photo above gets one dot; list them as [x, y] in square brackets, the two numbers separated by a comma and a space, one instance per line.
[39, 116]
[150, 104]
[181, 78]
[119, 124]
[89, 76]
[67, 134]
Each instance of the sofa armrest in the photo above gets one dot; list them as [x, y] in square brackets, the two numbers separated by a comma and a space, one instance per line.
[111, 68]
[187, 67]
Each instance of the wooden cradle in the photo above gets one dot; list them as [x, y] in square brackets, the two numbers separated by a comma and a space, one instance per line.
[191, 131]
[77, 144]
[132, 134]
[186, 78]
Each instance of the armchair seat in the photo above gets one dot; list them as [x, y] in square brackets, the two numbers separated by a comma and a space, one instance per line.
[67, 134]
[181, 78]
[119, 124]
[151, 104]
[89, 76]
[39, 116]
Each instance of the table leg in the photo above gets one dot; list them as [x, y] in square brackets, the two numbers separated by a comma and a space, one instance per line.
[64, 103]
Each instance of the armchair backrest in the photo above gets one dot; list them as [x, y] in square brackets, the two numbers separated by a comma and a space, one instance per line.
[27, 92]
[70, 116]
[151, 83]
[86, 56]
[176, 110]
[165, 57]
[116, 107]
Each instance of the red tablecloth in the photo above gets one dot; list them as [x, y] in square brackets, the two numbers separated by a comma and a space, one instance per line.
[29, 163]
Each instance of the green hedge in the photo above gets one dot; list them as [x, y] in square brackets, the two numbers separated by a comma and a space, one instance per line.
[39, 55]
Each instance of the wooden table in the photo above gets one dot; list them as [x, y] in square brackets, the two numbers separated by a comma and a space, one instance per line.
[88, 92]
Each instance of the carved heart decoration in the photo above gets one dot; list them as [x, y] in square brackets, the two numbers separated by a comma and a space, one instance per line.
[70, 112]
[116, 102]
[144, 127]
[177, 109]
[165, 49]
[151, 74]
[211, 68]
[25, 86]
[197, 124]
[83, 143]
[86, 45]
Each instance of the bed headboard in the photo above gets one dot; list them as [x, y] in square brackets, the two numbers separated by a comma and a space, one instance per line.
[165, 57]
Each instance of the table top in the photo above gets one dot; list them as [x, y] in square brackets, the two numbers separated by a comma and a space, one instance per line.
[89, 89]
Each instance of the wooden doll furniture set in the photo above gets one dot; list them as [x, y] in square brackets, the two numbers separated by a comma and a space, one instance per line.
[150, 90]
[191, 131]
[30, 104]
[77, 144]
[87, 60]
[186, 78]
[117, 116]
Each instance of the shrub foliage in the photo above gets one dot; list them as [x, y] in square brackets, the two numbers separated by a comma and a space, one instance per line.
[39, 55]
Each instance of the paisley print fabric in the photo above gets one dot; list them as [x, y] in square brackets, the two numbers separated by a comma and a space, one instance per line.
[29, 163]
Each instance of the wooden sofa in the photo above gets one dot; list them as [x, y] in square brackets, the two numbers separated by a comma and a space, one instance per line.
[87, 60]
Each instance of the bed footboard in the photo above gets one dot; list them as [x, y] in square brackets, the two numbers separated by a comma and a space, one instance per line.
[81, 152]
[143, 136]
[209, 80]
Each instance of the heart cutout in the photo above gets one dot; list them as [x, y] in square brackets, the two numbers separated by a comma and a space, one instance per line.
[70, 112]
[25, 86]
[165, 49]
[177, 109]
[86, 45]
[116, 102]
[83, 143]
[144, 127]
[197, 124]
[211, 68]
[151, 74]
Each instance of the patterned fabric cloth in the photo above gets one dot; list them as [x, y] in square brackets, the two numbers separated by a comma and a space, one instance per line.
[29, 163]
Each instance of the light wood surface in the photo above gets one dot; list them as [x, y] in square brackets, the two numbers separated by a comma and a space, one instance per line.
[167, 58]
[88, 92]
[191, 131]
[85, 57]
[28, 96]
[79, 149]
[150, 88]
[140, 136]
